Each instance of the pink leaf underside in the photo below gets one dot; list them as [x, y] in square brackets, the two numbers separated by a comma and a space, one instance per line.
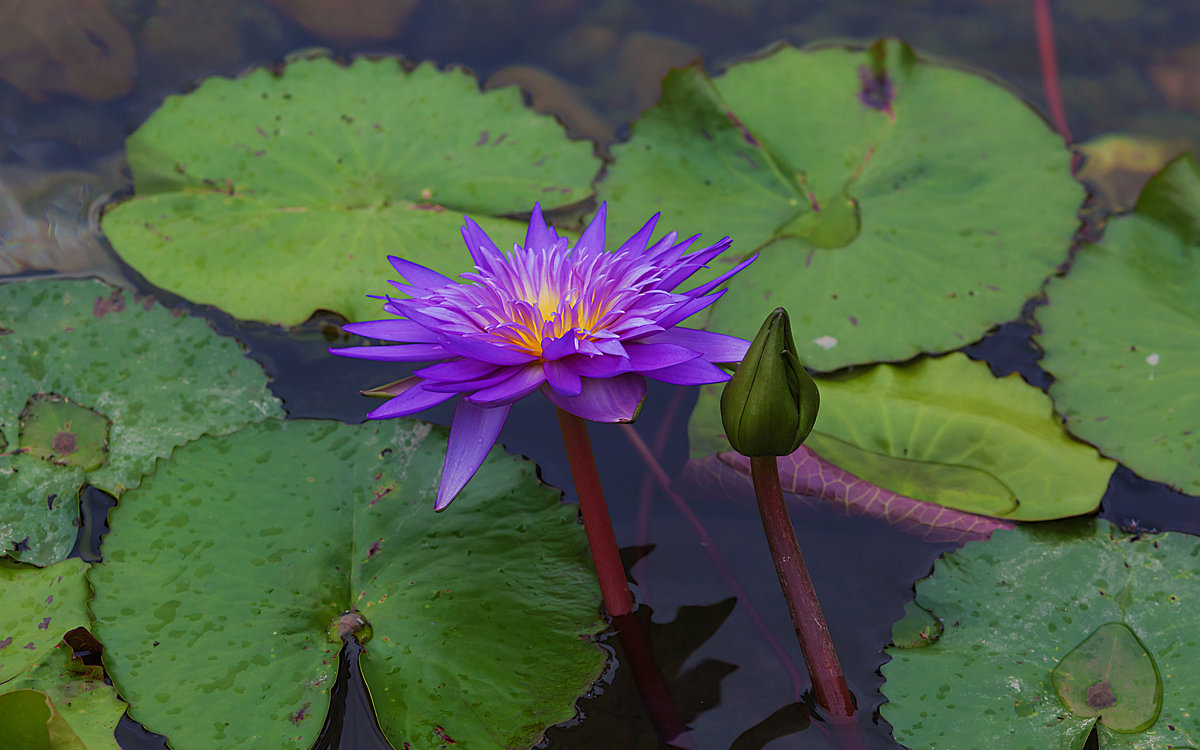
[813, 484]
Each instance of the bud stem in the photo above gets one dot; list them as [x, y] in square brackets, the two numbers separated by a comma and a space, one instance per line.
[596, 522]
[823, 667]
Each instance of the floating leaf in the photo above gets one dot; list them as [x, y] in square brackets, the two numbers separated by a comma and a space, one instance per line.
[943, 430]
[1121, 334]
[1029, 606]
[900, 205]
[1111, 676]
[47, 698]
[226, 568]
[278, 193]
[124, 379]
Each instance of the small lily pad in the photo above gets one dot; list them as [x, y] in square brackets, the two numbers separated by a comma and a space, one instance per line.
[1050, 631]
[946, 431]
[900, 205]
[227, 568]
[64, 433]
[121, 380]
[1121, 332]
[282, 192]
[1112, 677]
[46, 695]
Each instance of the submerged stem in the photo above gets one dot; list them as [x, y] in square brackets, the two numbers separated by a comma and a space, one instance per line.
[596, 522]
[823, 667]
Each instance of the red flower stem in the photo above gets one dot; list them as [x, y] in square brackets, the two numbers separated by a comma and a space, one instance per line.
[828, 681]
[596, 522]
[1043, 27]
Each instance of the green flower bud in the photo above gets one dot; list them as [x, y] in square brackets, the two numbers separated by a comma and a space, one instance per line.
[770, 404]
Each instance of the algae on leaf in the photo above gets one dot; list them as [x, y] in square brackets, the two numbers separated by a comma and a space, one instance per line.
[282, 192]
[241, 551]
[95, 385]
[1052, 630]
[900, 205]
[1121, 332]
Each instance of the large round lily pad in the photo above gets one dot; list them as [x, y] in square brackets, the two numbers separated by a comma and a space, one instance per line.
[944, 430]
[900, 205]
[225, 570]
[281, 192]
[94, 386]
[1050, 631]
[1121, 333]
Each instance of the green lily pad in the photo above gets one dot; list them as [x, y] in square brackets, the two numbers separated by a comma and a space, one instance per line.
[1121, 334]
[123, 379]
[1034, 604]
[47, 698]
[225, 570]
[282, 192]
[944, 430]
[900, 205]
[1111, 676]
[64, 433]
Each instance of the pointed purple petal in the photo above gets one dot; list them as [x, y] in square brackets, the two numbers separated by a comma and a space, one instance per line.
[538, 236]
[472, 434]
[637, 243]
[392, 330]
[696, 372]
[705, 288]
[592, 239]
[714, 347]
[471, 384]
[562, 378]
[520, 384]
[644, 357]
[478, 243]
[484, 351]
[458, 369]
[413, 400]
[680, 313]
[692, 263]
[560, 347]
[405, 353]
[604, 400]
[419, 276]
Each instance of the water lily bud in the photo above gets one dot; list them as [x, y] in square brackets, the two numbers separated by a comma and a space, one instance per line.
[770, 404]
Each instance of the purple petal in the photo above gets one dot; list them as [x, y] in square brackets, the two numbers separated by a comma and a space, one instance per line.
[413, 400]
[682, 312]
[592, 239]
[604, 400]
[693, 263]
[458, 369]
[598, 367]
[519, 384]
[560, 347]
[696, 372]
[637, 243]
[392, 330]
[419, 276]
[714, 347]
[562, 378]
[538, 236]
[643, 357]
[705, 288]
[484, 351]
[474, 384]
[478, 243]
[405, 353]
[472, 434]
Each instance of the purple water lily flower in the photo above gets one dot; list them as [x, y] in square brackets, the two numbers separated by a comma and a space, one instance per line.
[583, 325]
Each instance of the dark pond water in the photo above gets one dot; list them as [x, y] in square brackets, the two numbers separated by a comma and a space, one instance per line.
[1125, 67]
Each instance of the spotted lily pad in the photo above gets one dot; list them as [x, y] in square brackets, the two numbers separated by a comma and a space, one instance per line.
[900, 205]
[945, 431]
[120, 380]
[227, 568]
[1051, 631]
[48, 699]
[281, 192]
[1121, 334]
